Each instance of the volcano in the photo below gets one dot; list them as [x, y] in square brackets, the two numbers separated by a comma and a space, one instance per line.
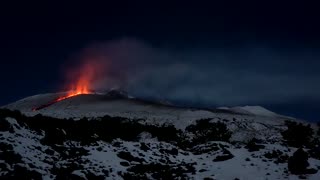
[119, 103]
[61, 98]
[113, 135]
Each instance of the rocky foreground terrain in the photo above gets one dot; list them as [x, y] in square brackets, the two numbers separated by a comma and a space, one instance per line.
[165, 142]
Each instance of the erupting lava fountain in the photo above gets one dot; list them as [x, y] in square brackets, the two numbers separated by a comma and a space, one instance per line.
[85, 75]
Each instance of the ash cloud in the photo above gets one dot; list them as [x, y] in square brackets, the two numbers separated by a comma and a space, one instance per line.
[216, 76]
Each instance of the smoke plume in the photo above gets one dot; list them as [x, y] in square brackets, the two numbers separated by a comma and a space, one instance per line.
[217, 76]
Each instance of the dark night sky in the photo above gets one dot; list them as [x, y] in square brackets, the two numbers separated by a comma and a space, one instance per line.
[38, 39]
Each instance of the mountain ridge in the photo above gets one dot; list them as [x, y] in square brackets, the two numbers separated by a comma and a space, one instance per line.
[120, 137]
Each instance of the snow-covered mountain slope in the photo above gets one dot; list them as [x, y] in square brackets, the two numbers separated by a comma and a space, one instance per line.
[117, 104]
[117, 148]
[246, 124]
[115, 136]
[251, 110]
[97, 105]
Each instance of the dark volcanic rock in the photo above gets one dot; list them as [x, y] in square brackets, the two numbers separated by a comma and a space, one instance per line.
[226, 156]
[254, 146]
[144, 147]
[127, 156]
[20, 172]
[124, 163]
[173, 151]
[10, 157]
[5, 125]
[277, 156]
[54, 136]
[159, 171]
[298, 163]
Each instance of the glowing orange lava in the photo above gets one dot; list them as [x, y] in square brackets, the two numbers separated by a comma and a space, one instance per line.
[86, 74]
[81, 80]
[82, 87]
